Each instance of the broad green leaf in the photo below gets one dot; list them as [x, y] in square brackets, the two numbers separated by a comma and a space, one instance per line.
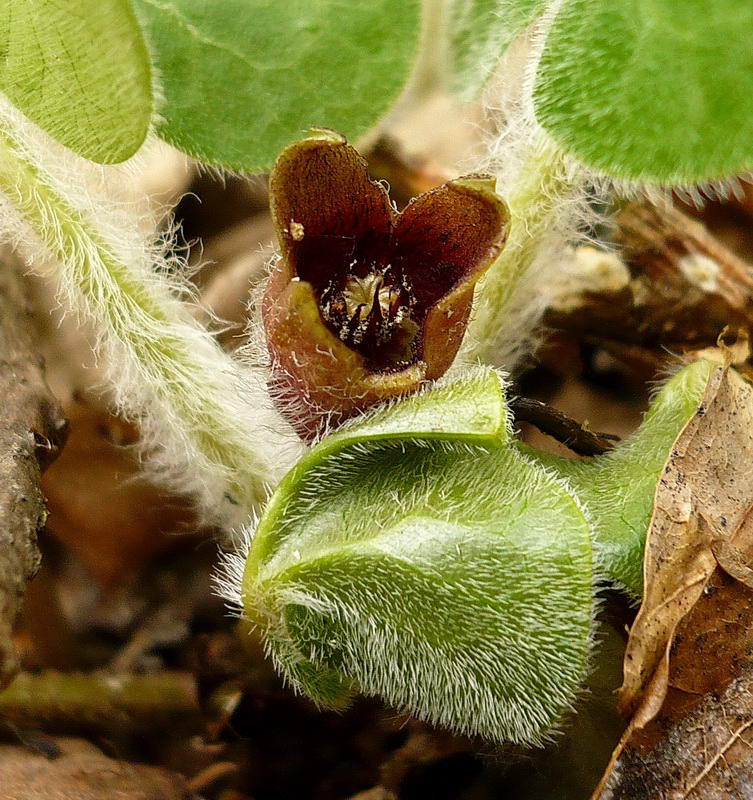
[655, 91]
[618, 488]
[446, 573]
[479, 33]
[243, 78]
[80, 71]
[431, 415]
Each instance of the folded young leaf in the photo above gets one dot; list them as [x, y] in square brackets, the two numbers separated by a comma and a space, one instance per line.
[619, 487]
[420, 557]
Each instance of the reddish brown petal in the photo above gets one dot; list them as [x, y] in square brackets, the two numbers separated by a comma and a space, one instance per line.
[443, 330]
[326, 210]
[362, 308]
[449, 236]
[317, 380]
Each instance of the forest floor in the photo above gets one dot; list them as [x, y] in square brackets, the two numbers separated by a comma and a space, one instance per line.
[134, 683]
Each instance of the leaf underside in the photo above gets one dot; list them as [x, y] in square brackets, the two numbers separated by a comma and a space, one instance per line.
[81, 71]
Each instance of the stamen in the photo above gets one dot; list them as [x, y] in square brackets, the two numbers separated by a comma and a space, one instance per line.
[367, 311]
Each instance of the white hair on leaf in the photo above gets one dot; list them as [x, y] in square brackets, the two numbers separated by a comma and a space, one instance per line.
[386, 578]
[553, 199]
[207, 425]
[550, 197]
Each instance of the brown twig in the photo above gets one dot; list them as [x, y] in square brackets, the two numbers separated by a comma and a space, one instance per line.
[682, 288]
[103, 701]
[564, 429]
[32, 430]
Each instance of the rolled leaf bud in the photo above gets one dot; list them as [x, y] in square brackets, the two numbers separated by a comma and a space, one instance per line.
[365, 303]
[426, 556]
[418, 557]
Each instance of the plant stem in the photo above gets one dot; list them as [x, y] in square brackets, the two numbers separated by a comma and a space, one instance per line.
[507, 305]
[65, 701]
[195, 409]
[561, 427]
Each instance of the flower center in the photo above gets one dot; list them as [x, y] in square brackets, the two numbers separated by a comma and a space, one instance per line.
[371, 313]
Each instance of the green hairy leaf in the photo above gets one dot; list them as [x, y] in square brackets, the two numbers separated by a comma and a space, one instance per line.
[426, 556]
[651, 90]
[80, 71]
[242, 78]
[419, 557]
[479, 33]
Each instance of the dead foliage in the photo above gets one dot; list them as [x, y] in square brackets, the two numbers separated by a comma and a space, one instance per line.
[73, 768]
[689, 658]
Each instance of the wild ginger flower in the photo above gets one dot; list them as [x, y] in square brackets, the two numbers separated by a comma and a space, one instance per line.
[366, 304]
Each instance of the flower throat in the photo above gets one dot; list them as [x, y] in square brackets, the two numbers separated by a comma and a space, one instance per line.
[372, 314]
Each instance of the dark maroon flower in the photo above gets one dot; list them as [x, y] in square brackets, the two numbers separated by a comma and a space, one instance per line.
[366, 303]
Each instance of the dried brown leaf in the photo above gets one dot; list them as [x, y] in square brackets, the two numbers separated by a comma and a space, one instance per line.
[700, 745]
[82, 772]
[702, 498]
[690, 736]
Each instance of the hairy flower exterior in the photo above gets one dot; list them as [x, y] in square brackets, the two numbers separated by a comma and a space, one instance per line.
[366, 304]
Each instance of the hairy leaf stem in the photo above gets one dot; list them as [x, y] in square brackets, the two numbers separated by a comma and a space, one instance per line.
[197, 410]
[539, 194]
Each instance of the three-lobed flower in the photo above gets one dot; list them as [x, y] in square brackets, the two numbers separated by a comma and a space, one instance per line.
[367, 304]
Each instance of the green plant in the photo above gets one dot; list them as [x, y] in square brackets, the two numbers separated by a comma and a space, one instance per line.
[643, 95]
[469, 548]
[207, 424]
[425, 555]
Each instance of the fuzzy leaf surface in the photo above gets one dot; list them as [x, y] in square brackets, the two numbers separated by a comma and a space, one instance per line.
[619, 487]
[479, 33]
[419, 557]
[81, 71]
[243, 78]
[651, 90]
